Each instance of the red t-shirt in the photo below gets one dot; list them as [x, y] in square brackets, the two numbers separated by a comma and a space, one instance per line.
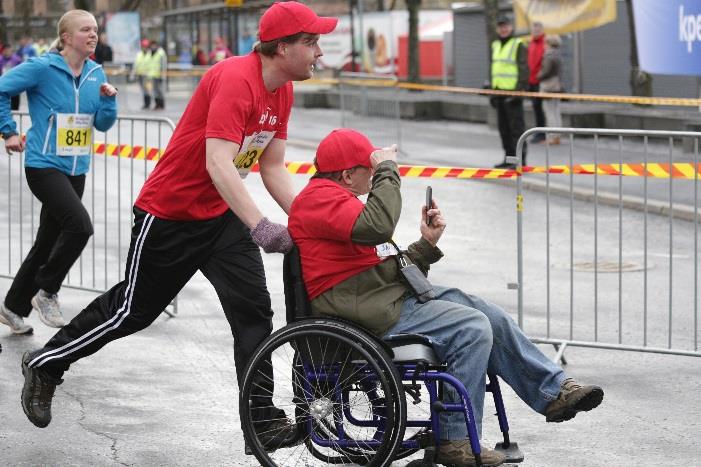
[320, 223]
[231, 103]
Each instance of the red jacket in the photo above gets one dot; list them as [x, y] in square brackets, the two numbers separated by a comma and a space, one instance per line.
[536, 49]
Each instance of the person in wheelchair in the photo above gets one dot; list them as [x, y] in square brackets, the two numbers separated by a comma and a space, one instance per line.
[350, 271]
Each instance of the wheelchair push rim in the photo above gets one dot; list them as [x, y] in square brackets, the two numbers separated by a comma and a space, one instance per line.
[340, 390]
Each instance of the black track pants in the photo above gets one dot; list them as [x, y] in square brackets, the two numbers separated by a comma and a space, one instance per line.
[163, 256]
[511, 124]
[64, 230]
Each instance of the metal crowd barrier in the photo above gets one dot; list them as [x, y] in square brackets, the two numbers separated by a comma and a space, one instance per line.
[370, 103]
[613, 277]
[122, 159]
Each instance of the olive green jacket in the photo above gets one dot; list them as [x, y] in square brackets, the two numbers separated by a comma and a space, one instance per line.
[374, 297]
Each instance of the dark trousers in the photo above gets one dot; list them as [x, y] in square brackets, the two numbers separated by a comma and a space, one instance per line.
[511, 124]
[537, 110]
[64, 229]
[163, 256]
[14, 102]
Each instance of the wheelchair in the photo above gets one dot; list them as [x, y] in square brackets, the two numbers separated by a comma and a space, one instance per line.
[346, 392]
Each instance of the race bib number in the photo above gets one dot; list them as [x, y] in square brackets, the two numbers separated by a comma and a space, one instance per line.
[74, 134]
[385, 250]
[251, 150]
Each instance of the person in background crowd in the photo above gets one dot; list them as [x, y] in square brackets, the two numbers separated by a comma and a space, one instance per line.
[26, 48]
[157, 67]
[220, 52]
[68, 95]
[41, 47]
[199, 56]
[194, 213]
[550, 78]
[246, 42]
[509, 72]
[103, 51]
[536, 47]
[141, 72]
[9, 60]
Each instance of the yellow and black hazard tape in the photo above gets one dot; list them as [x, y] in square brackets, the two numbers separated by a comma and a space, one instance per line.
[685, 170]
[386, 82]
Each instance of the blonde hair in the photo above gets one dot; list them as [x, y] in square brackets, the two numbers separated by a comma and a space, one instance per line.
[66, 23]
[553, 40]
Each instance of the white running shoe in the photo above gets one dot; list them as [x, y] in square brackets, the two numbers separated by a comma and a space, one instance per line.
[15, 321]
[49, 311]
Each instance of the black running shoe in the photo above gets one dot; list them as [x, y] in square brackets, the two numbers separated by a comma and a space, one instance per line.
[37, 393]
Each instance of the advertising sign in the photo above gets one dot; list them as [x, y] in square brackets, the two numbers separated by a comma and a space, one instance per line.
[668, 35]
[563, 17]
[377, 44]
[123, 35]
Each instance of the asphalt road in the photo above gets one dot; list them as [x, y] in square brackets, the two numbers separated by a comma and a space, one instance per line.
[168, 395]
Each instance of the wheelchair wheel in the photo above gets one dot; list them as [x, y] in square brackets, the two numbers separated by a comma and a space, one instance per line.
[336, 385]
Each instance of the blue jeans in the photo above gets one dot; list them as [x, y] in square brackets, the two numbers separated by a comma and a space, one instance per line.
[474, 337]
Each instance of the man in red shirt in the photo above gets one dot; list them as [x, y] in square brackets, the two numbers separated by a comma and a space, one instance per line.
[536, 48]
[194, 212]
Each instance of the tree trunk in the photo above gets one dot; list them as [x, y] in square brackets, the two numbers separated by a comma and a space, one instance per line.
[640, 81]
[25, 11]
[413, 6]
[491, 12]
[130, 5]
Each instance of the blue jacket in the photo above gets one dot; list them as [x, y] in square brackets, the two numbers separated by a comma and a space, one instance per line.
[51, 89]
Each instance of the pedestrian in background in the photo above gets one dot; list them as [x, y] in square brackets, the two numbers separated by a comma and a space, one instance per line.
[140, 71]
[9, 60]
[509, 72]
[199, 56]
[246, 42]
[536, 48]
[26, 48]
[220, 52]
[157, 66]
[41, 46]
[103, 51]
[550, 77]
[68, 94]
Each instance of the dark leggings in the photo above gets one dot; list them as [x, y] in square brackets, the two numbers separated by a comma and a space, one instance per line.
[64, 229]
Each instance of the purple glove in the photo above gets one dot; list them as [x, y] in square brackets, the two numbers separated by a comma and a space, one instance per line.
[272, 237]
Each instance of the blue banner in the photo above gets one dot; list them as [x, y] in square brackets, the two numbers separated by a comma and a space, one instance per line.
[668, 34]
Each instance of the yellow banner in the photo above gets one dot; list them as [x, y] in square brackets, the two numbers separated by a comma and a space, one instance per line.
[563, 16]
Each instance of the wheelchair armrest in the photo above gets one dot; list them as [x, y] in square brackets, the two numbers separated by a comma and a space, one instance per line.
[406, 339]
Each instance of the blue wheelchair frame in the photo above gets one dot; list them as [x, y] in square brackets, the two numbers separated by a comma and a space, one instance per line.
[424, 367]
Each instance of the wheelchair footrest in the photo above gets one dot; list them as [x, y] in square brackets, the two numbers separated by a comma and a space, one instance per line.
[421, 463]
[512, 452]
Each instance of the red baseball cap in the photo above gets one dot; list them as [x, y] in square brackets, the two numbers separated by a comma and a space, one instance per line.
[343, 149]
[284, 19]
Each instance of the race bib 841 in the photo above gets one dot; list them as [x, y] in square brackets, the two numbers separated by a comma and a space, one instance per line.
[73, 134]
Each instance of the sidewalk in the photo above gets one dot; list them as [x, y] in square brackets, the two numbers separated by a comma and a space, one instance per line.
[168, 395]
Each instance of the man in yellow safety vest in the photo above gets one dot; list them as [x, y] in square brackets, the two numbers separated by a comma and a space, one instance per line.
[140, 72]
[509, 72]
[157, 66]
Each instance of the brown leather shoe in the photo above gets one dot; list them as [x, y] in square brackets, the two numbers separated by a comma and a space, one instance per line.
[573, 398]
[459, 454]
